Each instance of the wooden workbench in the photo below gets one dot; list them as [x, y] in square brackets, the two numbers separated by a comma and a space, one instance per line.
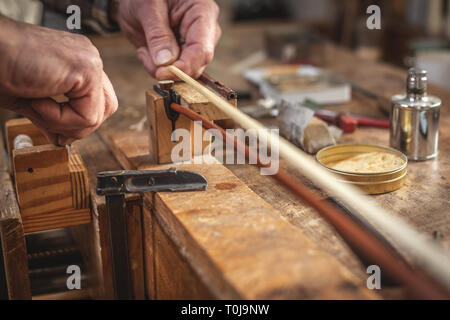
[423, 201]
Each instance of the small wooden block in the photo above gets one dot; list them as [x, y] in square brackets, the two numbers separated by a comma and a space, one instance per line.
[42, 179]
[12, 238]
[161, 144]
[51, 184]
[18, 126]
[161, 127]
[203, 148]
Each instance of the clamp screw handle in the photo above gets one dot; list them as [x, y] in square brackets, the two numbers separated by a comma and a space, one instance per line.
[166, 84]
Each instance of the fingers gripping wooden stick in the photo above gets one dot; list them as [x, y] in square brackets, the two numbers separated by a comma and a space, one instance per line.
[430, 257]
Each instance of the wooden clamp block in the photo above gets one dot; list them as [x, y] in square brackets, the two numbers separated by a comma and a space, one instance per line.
[42, 179]
[51, 182]
[160, 126]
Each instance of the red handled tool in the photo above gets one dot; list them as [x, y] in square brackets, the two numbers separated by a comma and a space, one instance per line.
[349, 122]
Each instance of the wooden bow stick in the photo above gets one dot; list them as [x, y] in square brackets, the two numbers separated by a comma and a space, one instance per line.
[430, 257]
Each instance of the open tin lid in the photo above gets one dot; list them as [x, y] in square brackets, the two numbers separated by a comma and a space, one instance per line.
[372, 180]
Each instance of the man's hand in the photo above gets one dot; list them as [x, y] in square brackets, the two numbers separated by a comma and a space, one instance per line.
[182, 32]
[37, 63]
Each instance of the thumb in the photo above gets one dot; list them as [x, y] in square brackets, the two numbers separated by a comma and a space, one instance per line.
[161, 42]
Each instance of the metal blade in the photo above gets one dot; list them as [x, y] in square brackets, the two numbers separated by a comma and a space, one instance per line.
[131, 181]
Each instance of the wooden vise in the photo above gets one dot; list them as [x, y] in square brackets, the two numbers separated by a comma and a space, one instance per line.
[51, 182]
[160, 125]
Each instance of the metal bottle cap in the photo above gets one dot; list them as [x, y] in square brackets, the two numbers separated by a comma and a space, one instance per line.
[416, 82]
[415, 118]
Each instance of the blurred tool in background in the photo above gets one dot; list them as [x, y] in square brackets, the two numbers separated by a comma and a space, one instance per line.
[349, 122]
[297, 83]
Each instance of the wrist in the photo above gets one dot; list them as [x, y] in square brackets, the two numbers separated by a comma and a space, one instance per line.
[8, 36]
[10, 43]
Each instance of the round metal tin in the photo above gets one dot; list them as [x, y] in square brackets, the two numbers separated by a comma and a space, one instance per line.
[370, 183]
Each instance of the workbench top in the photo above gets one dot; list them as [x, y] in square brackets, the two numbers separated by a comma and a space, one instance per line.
[423, 201]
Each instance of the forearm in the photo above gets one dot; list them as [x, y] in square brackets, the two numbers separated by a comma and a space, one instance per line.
[10, 44]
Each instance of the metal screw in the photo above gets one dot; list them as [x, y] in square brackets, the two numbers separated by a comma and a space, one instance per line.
[166, 84]
[114, 180]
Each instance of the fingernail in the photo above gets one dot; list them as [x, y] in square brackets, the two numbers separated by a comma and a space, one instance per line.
[163, 57]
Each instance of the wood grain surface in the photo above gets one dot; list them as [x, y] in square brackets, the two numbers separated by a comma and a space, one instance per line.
[199, 103]
[160, 132]
[14, 259]
[42, 179]
[235, 243]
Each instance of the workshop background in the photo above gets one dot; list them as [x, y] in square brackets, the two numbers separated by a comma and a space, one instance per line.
[413, 32]
[255, 33]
